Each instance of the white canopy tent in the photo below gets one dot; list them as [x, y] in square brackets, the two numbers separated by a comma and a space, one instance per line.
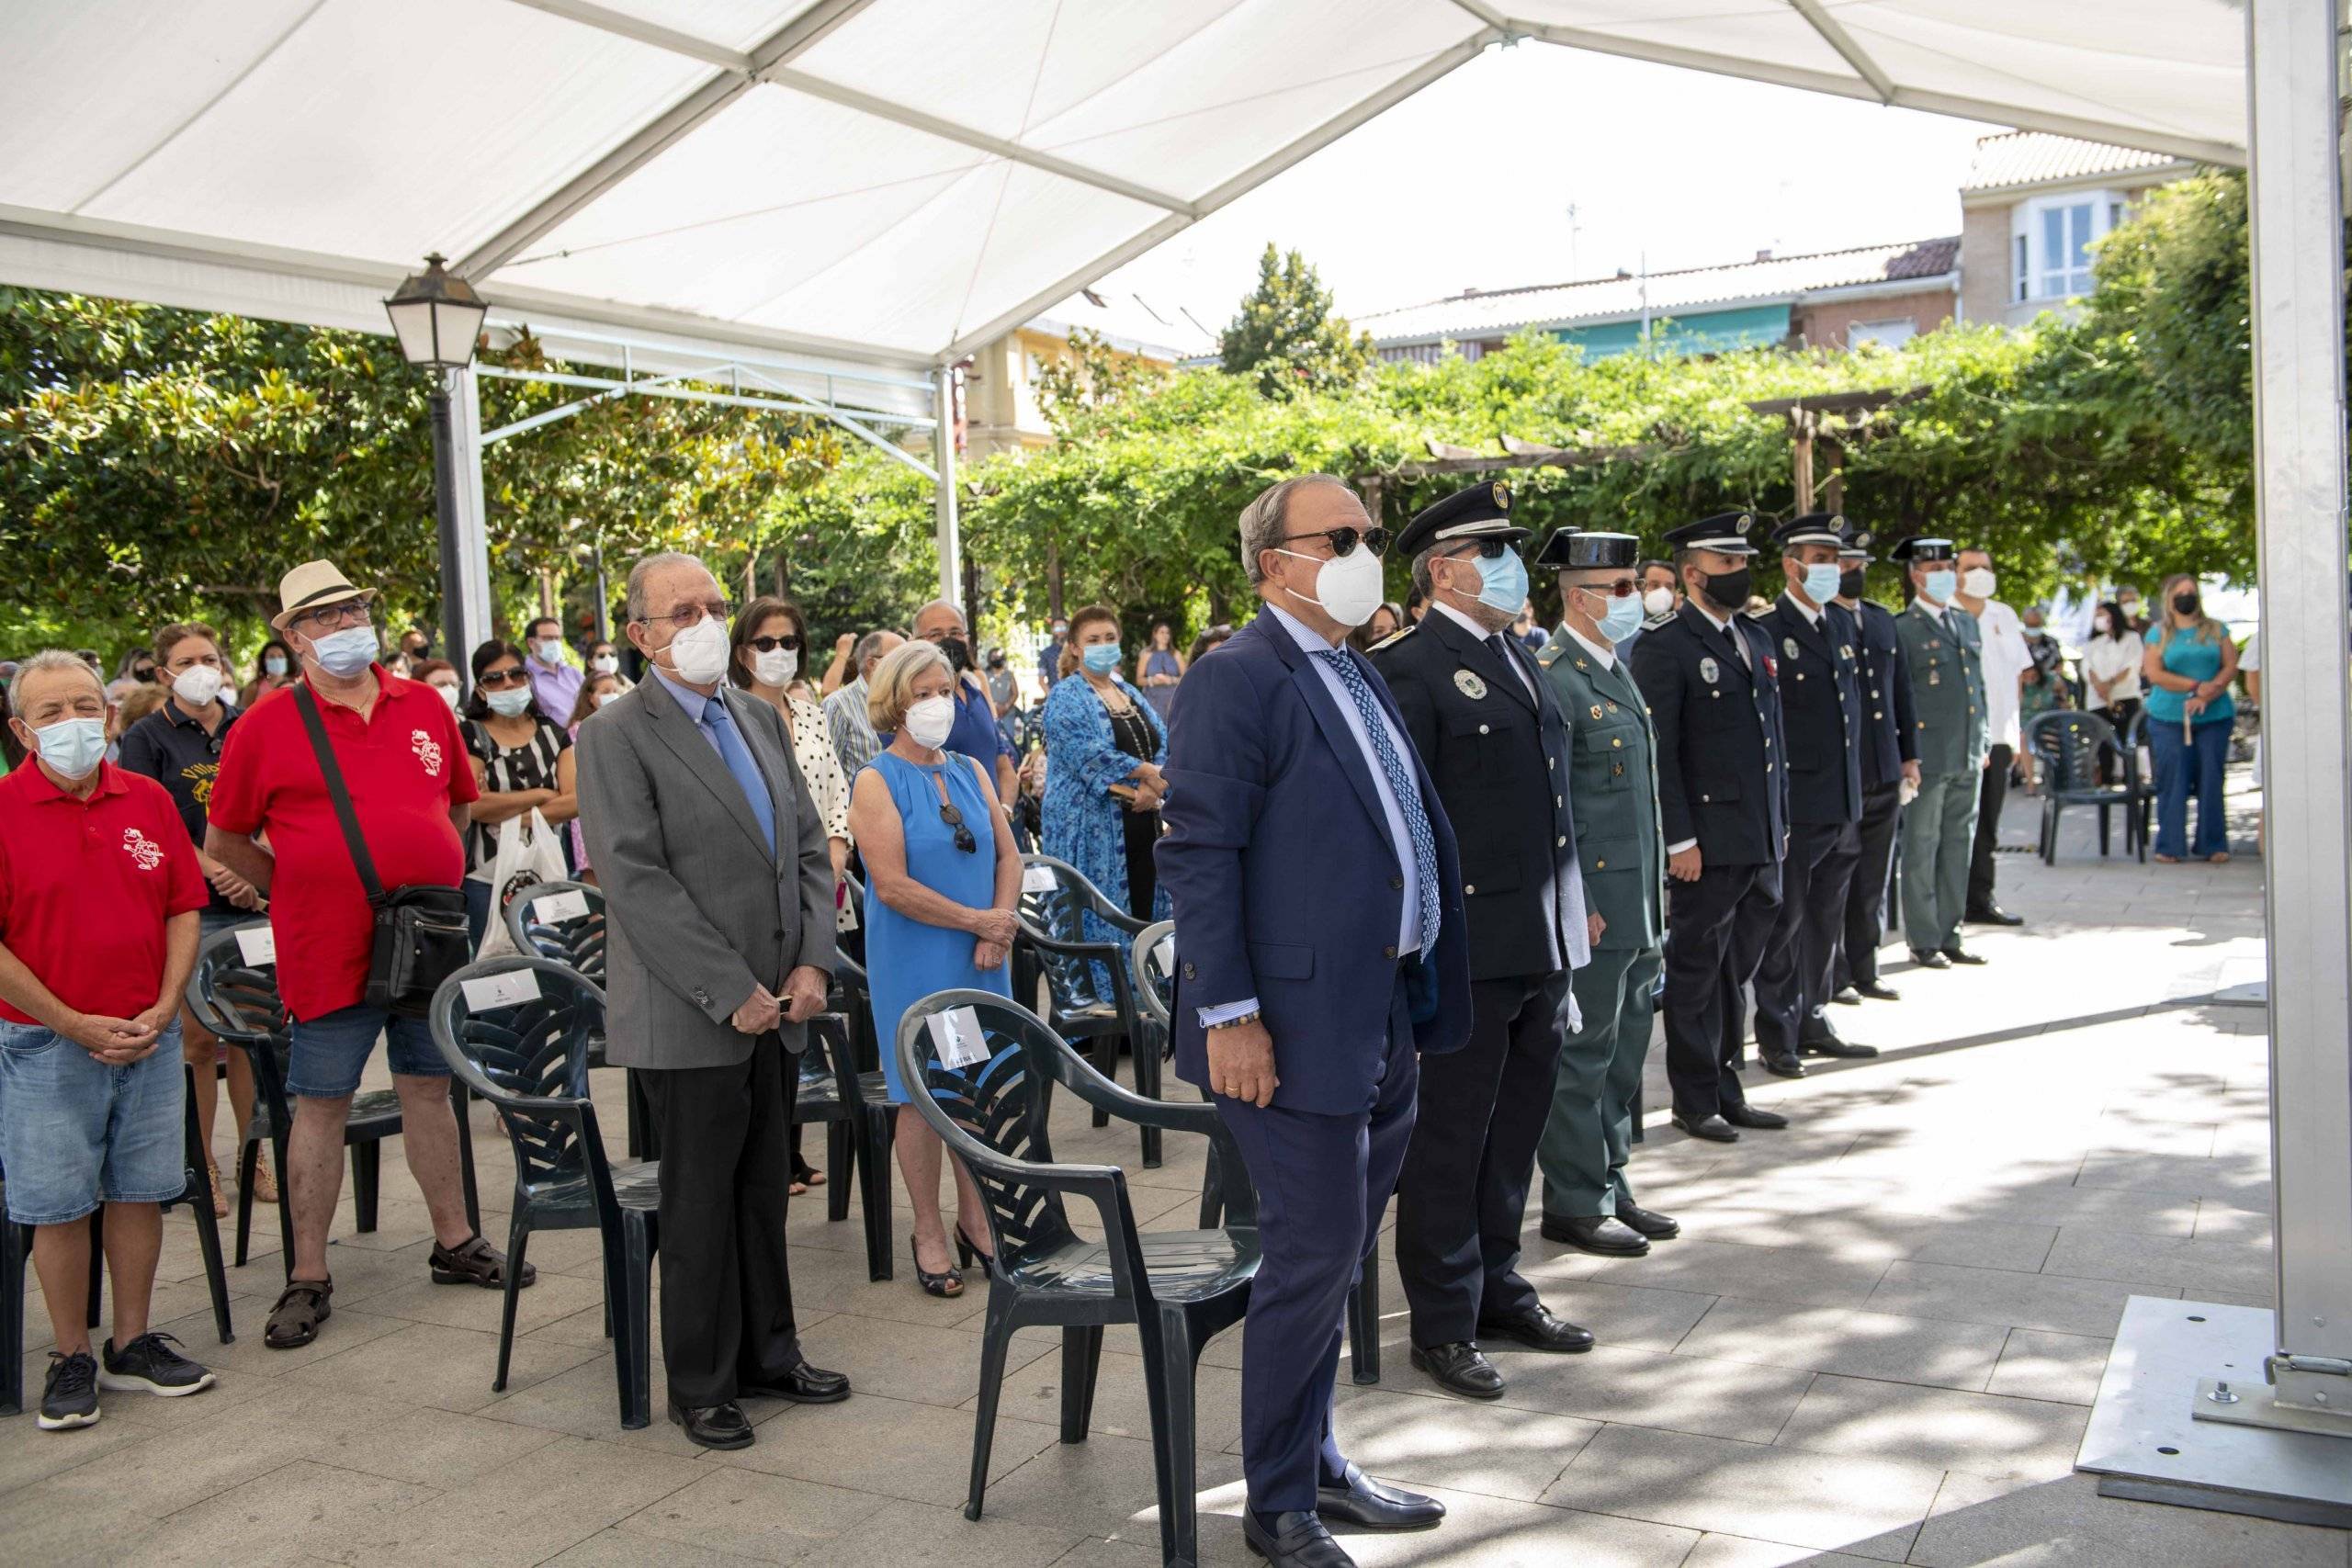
[846, 195]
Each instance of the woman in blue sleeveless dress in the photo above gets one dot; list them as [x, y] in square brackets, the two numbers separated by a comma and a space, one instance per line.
[943, 878]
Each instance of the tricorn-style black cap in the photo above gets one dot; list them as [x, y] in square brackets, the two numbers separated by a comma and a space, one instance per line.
[1579, 550]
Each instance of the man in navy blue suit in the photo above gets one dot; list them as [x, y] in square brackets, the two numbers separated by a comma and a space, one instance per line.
[1320, 950]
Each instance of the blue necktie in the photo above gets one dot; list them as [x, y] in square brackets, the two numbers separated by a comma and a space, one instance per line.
[1400, 784]
[738, 757]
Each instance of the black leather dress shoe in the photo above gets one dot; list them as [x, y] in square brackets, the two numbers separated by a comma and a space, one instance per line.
[1957, 955]
[1878, 991]
[1461, 1368]
[1993, 914]
[804, 1384]
[1848, 996]
[1657, 1226]
[1540, 1328]
[1715, 1129]
[714, 1425]
[1927, 960]
[1295, 1541]
[1830, 1045]
[1783, 1064]
[1368, 1504]
[1595, 1232]
[1749, 1116]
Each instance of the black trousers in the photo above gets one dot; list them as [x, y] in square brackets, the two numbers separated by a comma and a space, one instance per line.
[1866, 893]
[725, 1161]
[1716, 928]
[1462, 1194]
[1796, 980]
[1990, 793]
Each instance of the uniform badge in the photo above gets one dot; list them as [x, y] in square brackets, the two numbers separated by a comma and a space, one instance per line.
[1596, 710]
[1472, 687]
[1789, 647]
[1845, 651]
[1502, 497]
[1709, 671]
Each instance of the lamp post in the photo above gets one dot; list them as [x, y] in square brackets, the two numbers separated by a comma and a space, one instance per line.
[437, 319]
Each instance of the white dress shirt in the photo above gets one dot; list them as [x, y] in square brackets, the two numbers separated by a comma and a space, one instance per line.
[2007, 658]
[1601, 650]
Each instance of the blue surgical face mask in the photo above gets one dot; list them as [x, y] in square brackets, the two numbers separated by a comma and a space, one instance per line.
[346, 653]
[1939, 584]
[1623, 619]
[1502, 583]
[1821, 582]
[1102, 658]
[72, 745]
[509, 703]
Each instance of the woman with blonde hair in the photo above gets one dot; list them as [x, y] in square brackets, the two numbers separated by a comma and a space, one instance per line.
[2189, 665]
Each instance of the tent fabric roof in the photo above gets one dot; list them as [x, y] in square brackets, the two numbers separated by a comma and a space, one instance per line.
[1481, 314]
[872, 181]
[2031, 158]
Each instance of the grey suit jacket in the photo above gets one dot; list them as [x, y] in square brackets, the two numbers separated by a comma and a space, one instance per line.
[698, 913]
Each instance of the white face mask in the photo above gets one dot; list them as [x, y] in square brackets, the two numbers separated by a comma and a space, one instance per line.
[346, 653]
[509, 703]
[602, 698]
[551, 651]
[1977, 582]
[72, 745]
[1659, 600]
[197, 685]
[930, 720]
[1347, 587]
[777, 666]
[698, 654]
[449, 696]
[606, 664]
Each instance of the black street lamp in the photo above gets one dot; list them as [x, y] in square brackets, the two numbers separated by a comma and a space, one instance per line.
[437, 319]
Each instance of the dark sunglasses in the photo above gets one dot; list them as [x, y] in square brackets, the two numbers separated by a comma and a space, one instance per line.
[503, 678]
[1344, 540]
[1488, 550]
[1624, 588]
[770, 644]
[955, 819]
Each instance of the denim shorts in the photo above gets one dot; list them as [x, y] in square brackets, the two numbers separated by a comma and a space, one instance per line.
[330, 1052]
[75, 1131]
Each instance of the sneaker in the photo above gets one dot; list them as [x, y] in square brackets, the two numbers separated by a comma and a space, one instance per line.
[149, 1365]
[70, 1397]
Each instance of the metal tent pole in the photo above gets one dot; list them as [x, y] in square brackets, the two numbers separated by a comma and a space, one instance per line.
[465, 526]
[943, 446]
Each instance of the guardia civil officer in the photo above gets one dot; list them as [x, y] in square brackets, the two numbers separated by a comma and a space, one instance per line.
[1821, 713]
[1612, 795]
[1480, 714]
[1946, 663]
[1707, 673]
[1890, 759]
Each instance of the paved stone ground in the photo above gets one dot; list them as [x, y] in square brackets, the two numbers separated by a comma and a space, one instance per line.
[1877, 1342]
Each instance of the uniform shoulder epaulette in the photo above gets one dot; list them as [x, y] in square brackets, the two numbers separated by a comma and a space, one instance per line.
[1757, 614]
[1549, 654]
[1392, 639]
[1663, 618]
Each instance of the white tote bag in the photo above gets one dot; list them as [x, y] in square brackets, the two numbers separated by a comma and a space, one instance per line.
[527, 855]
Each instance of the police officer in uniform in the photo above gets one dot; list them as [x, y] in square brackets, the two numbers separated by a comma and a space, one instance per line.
[1707, 673]
[1890, 759]
[1612, 789]
[1480, 712]
[1946, 667]
[1821, 711]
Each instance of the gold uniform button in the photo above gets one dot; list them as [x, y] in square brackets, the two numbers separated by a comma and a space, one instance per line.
[1616, 741]
[1601, 865]
[1878, 713]
[1468, 889]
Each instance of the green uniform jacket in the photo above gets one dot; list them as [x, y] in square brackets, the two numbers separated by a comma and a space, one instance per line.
[1947, 663]
[1613, 792]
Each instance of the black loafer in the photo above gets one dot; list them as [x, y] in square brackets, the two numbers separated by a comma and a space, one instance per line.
[1993, 914]
[714, 1425]
[1956, 953]
[1715, 1129]
[1657, 1226]
[1927, 960]
[1748, 1116]
[1295, 1541]
[1832, 1046]
[1848, 996]
[1540, 1328]
[1459, 1368]
[1366, 1504]
[1595, 1232]
[804, 1384]
[1783, 1064]
[1878, 991]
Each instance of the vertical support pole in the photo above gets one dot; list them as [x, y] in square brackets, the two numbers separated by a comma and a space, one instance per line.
[468, 526]
[1833, 489]
[1801, 424]
[445, 505]
[2296, 206]
[943, 446]
[603, 596]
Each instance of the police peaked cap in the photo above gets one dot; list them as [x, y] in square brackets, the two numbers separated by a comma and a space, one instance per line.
[1576, 549]
[1725, 533]
[1856, 547]
[1812, 528]
[1918, 550]
[1482, 511]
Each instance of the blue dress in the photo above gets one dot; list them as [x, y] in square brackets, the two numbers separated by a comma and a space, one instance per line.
[905, 959]
[1084, 824]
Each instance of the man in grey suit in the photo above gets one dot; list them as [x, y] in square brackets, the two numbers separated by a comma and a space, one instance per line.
[719, 901]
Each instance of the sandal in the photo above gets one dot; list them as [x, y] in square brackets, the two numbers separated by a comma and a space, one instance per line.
[475, 1262]
[220, 1194]
[301, 1307]
[264, 1183]
[947, 1282]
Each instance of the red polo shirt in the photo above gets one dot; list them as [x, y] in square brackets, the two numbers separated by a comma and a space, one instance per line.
[405, 766]
[85, 886]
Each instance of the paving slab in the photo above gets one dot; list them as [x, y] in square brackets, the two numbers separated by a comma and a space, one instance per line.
[1854, 1344]
[1998, 1435]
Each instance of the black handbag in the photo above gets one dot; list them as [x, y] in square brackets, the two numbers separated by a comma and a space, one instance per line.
[421, 934]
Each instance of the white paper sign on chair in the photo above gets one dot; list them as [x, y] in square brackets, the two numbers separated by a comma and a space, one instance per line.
[958, 1034]
[554, 907]
[257, 945]
[509, 989]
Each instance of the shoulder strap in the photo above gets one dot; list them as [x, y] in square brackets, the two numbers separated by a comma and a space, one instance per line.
[336, 792]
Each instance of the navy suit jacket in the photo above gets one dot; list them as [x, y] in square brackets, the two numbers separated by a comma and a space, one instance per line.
[1286, 886]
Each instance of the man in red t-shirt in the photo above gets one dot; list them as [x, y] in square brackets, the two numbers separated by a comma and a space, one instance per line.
[99, 890]
[396, 746]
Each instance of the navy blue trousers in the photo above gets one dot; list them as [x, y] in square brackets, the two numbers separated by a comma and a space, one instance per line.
[1323, 1186]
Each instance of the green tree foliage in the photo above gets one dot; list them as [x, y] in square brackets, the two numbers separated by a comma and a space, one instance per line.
[1094, 376]
[1285, 337]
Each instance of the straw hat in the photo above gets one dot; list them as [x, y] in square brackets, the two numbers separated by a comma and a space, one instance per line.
[311, 584]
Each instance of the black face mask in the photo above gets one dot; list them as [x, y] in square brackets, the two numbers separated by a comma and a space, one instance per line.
[1849, 583]
[2185, 604]
[958, 651]
[1726, 591]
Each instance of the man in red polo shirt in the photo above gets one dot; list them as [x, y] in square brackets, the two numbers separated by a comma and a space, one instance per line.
[397, 745]
[99, 890]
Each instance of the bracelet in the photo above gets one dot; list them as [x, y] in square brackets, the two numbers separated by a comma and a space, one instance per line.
[1250, 1017]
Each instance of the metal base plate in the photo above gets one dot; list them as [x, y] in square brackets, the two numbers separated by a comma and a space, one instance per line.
[2145, 1438]
[2260, 1406]
[2252, 994]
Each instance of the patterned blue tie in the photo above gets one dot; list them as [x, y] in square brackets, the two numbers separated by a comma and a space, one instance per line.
[1400, 784]
[738, 757]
